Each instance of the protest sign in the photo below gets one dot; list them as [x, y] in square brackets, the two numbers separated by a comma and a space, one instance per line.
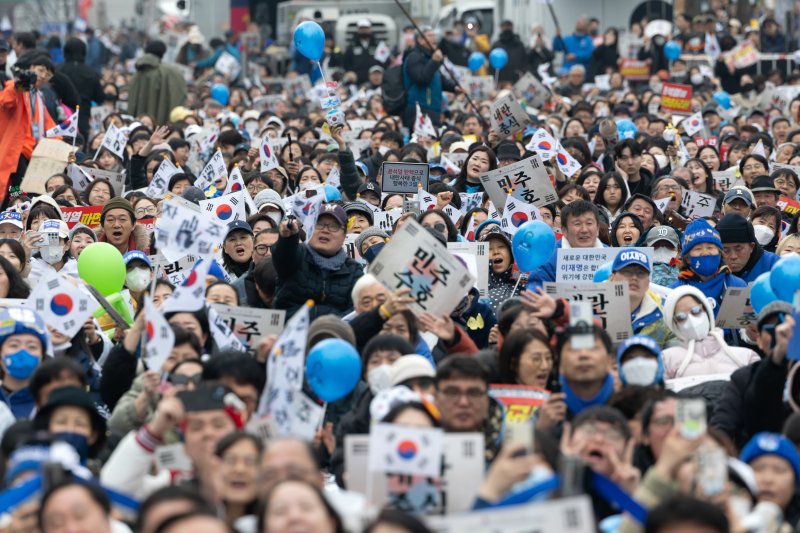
[565, 515]
[693, 124]
[736, 310]
[114, 141]
[62, 305]
[385, 220]
[117, 179]
[453, 491]
[609, 301]
[158, 185]
[528, 181]
[507, 116]
[697, 204]
[676, 98]
[724, 179]
[662, 203]
[521, 401]
[788, 205]
[543, 143]
[49, 157]
[396, 449]
[404, 178]
[480, 250]
[416, 259]
[160, 337]
[251, 324]
[88, 215]
[531, 90]
[228, 65]
[478, 87]
[743, 55]
[350, 248]
[175, 271]
[183, 230]
[575, 265]
[634, 70]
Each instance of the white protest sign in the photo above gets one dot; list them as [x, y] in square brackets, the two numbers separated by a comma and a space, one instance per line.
[575, 265]
[697, 204]
[175, 271]
[404, 178]
[532, 90]
[736, 310]
[117, 179]
[213, 171]
[478, 87]
[115, 140]
[172, 457]
[382, 52]
[416, 259]
[350, 248]
[250, 324]
[182, 230]
[462, 467]
[228, 65]
[396, 449]
[724, 179]
[609, 301]
[543, 144]
[480, 250]
[385, 219]
[527, 179]
[458, 158]
[298, 86]
[160, 337]
[507, 116]
[564, 515]
[306, 417]
[158, 186]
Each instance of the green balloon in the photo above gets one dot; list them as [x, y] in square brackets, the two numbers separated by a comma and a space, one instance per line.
[101, 266]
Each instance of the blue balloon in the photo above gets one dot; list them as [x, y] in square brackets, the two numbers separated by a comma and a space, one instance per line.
[672, 50]
[498, 58]
[533, 244]
[761, 292]
[333, 369]
[332, 194]
[220, 93]
[723, 99]
[785, 278]
[626, 129]
[476, 61]
[603, 273]
[309, 40]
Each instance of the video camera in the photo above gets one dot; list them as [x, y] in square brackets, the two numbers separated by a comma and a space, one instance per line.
[24, 79]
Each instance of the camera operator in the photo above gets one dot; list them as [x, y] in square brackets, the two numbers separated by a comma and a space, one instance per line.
[23, 121]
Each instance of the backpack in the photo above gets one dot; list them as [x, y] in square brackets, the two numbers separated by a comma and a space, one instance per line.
[393, 90]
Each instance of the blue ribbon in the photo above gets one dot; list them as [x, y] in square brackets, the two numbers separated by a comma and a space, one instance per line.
[12, 498]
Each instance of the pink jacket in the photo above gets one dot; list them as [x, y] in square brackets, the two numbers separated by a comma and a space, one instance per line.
[708, 356]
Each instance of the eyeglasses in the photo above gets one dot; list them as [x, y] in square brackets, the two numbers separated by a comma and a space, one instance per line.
[152, 210]
[781, 181]
[441, 228]
[453, 394]
[634, 272]
[262, 249]
[256, 188]
[675, 187]
[333, 227]
[180, 379]
[695, 311]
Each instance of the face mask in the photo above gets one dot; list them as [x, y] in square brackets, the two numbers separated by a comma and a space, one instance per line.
[695, 327]
[662, 160]
[379, 378]
[372, 252]
[603, 112]
[383, 149]
[706, 265]
[679, 75]
[640, 371]
[656, 87]
[663, 255]
[51, 254]
[79, 442]
[747, 87]
[764, 234]
[20, 365]
[137, 279]
[697, 79]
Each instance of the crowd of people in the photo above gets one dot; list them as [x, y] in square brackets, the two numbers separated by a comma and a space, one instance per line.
[684, 417]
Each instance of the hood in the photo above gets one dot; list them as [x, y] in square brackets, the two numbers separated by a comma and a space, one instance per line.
[672, 300]
[147, 61]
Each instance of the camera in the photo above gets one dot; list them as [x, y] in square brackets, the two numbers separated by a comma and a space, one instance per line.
[24, 79]
[335, 117]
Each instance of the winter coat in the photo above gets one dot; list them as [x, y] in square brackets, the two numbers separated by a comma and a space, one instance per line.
[20, 402]
[603, 58]
[156, 89]
[501, 288]
[300, 280]
[760, 261]
[581, 46]
[664, 274]
[348, 174]
[517, 56]
[478, 319]
[424, 83]
[359, 58]
[246, 287]
[707, 357]
[87, 82]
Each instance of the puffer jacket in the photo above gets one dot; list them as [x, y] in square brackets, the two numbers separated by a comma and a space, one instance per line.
[707, 357]
[300, 280]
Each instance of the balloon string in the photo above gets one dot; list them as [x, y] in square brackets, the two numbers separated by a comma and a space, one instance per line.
[322, 74]
[517, 285]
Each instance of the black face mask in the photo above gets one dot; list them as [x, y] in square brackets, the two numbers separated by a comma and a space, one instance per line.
[110, 97]
[747, 87]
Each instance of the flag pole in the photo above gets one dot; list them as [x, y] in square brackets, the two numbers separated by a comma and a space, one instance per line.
[77, 114]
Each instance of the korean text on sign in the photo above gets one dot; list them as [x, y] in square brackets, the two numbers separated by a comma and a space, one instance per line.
[676, 98]
[527, 179]
[610, 303]
[404, 178]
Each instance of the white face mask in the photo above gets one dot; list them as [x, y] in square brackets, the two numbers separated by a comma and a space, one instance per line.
[137, 279]
[51, 254]
[764, 234]
[697, 79]
[662, 160]
[275, 217]
[695, 327]
[640, 371]
[662, 254]
[379, 378]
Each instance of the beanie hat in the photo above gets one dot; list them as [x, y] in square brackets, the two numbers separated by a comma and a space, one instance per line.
[679, 292]
[367, 233]
[735, 228]
[411, 366]
[766, 443]
[327, 327]
[117, 203]
[697, 232]
[271, 197]
[82, 228]
[773, 308]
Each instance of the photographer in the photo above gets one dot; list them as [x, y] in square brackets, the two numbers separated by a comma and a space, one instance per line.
[23, 121]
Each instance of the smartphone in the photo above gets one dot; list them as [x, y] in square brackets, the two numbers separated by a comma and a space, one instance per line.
[581, 319]
[712, 470]
[520, 433]
[691, 417]
[37, 238]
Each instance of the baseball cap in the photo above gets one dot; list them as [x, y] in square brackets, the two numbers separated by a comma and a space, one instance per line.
[11, 217]
[739, 193]
[662, 233]
[369, 186]
[136, 255]
[238, 225]
[630, 257]
[336, 211]
[55, 226]
[364, 23]
[375, 68]
[409, 367]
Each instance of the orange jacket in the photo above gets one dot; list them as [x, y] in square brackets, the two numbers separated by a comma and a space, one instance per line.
[16, 136]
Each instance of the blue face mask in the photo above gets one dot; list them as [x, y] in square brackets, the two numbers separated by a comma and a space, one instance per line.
[706, 265]
[21, 364]
[372, 252]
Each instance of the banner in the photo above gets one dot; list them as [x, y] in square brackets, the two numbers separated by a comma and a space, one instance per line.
[676, 98]
[88, 215]
[634, 70]
[521, 401]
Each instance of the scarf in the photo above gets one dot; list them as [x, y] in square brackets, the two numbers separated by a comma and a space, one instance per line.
[576, 404]
[333, 262]
[712, 288]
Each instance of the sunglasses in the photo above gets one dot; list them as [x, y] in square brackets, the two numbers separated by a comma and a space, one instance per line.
[179, 379]
[697, 310]
[441, 228]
